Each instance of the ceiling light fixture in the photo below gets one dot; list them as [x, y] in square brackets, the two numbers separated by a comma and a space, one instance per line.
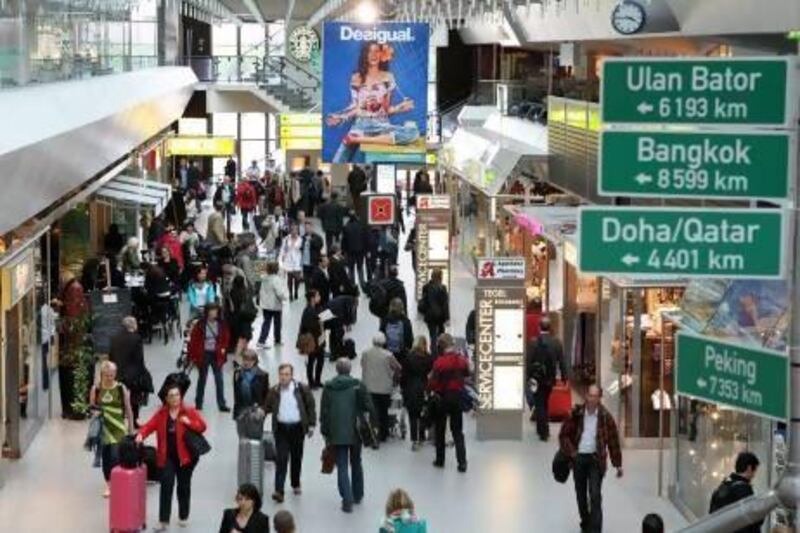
[366, 12]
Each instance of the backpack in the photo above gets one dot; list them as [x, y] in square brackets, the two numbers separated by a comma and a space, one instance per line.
[394, 336]
[724, 494]
[378, 300]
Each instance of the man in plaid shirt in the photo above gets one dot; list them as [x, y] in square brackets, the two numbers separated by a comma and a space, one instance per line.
[588, 437]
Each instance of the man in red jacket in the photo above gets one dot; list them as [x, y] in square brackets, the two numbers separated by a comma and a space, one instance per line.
[450, 370]
[208, 345]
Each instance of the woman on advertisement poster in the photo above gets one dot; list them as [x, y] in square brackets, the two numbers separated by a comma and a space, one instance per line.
[372, 86]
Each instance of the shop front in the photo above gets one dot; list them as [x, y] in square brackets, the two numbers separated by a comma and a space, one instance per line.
[489, 167]
[637, 355]
[26, 369]
[707, 436]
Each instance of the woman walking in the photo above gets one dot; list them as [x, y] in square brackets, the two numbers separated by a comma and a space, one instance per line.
[271, 298]
[416, 368]
[311, 330]
[292, 261]
[171, 424]
[113, 402]
[208, 347]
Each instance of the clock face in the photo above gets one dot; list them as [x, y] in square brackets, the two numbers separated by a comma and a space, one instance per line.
[628, 17]
[303, 41]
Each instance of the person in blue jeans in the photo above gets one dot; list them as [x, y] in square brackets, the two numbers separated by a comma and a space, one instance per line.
[344, 401]
[208, 347]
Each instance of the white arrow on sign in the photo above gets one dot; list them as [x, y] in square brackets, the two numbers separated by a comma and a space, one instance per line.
[702, 383]
[630, 259]
[642, 178]
[644, 108]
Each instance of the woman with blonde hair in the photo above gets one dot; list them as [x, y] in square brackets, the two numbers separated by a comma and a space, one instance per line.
[112, 401]
[400, 516]
[416, 367]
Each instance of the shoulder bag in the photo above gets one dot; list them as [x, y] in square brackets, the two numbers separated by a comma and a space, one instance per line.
[196, 443]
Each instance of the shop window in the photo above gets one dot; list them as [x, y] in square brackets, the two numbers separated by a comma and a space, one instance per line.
[254, 125]
[224, 125]
[253, 151]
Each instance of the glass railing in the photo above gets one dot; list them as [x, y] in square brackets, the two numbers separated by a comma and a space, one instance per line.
[38, 71]
[275, 74]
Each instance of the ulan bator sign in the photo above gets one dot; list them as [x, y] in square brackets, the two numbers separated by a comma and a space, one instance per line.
[724, 372]
[696, 164]
[743, 91]
[731, 243]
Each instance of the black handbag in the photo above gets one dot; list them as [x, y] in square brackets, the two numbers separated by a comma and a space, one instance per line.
[561, 467]
[196, 442]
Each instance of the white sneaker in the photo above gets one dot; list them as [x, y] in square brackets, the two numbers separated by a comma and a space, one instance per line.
[261, 345]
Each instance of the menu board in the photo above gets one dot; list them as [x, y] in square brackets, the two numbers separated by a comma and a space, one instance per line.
[109, 307]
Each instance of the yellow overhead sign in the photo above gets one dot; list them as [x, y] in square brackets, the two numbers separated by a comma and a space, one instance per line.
[301, 144]
[211, 146]
[301, 119]
[301, 132]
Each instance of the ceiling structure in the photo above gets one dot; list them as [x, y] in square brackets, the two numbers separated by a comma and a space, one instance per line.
[269, 10]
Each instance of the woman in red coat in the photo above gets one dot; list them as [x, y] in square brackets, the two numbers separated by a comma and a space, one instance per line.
[208, 346]
[172, 455]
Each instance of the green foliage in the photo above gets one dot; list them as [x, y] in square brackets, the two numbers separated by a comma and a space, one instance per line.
[79, 355]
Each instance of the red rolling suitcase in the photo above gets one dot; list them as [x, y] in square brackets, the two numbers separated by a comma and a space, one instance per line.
[127, 504]
[560, 403]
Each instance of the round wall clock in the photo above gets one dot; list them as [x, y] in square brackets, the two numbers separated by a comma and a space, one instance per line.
[628, 17]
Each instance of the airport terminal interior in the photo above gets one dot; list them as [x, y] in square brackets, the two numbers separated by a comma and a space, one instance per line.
[399, 266]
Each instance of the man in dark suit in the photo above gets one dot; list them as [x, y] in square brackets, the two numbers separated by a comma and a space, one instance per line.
[545, 353]
[340, 281]
[127, 352]
[320, 280]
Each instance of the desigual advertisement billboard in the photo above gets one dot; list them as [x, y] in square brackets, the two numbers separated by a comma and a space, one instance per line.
[374, 91]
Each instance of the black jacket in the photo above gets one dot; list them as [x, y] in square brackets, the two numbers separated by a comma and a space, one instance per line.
[730, 491]
[310, 323]
[395, 288]
[259, 389]
[344, 308]
[339, 279]
[357, 180]
[470, 330]
[416, 368]
[127, 352]
[354, 237]
[321, 282]
[331, 214]
[435, 297]
[549, 351]
[258, 523]
[316, 247]
[305, 404]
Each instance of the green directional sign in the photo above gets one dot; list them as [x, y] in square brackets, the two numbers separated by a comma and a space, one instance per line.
[695, 164]
[751, 91]
[748, 379]
[730, 243]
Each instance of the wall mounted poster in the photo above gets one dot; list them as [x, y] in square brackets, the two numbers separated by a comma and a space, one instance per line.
[374, 90]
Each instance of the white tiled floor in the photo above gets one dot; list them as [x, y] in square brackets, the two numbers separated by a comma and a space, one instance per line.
[508, 489]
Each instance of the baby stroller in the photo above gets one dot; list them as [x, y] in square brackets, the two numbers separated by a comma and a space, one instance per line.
[398, 425]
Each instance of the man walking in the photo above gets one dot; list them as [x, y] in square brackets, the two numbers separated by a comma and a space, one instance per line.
[588, 437]
[311, 251]
[344, 401]
[127, 352]
[544, 354]
[379, 368]
[450, 370]
[293, 417]
[354, 245]
[331, 215]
